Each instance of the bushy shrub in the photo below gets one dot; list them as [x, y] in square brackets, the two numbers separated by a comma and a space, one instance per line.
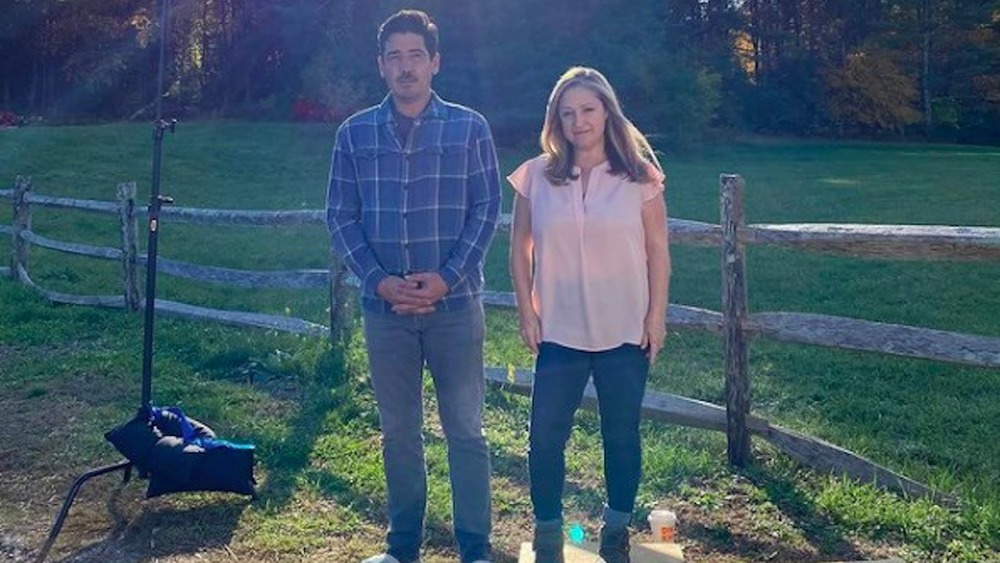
[674, 100]
[871, 92]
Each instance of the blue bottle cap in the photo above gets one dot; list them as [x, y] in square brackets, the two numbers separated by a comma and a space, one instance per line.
[577, 534]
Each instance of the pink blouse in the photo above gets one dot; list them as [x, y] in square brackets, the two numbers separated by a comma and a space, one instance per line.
[590, 287]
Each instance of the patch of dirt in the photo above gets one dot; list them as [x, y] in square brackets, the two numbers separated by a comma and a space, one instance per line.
[13, 547]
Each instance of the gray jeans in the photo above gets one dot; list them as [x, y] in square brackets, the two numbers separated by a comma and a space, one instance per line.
[450, 344]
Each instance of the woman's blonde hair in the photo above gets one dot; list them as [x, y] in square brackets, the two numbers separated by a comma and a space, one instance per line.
[629, 152]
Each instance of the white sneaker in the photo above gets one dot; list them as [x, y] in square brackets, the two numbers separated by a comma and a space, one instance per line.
[384, 558]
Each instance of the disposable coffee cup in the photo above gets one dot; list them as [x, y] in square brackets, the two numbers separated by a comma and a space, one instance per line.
[663, 524]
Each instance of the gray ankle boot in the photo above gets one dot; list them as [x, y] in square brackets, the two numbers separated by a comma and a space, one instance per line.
[548, 542]
[614, 544]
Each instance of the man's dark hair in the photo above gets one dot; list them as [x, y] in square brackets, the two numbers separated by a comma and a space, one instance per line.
[409, 21]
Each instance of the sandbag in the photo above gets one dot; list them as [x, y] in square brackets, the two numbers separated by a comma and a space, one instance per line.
[178, 453]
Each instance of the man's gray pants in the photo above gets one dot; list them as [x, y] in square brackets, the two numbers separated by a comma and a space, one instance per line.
[450, 344]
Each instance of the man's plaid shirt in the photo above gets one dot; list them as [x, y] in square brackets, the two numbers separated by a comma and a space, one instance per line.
[427, 203]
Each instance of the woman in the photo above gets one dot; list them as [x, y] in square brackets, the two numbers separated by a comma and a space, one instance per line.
[590, 267]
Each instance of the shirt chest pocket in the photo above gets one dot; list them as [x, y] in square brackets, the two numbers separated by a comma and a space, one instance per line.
[377, 163]
[448, 161]
[379, 172]
[438, 177]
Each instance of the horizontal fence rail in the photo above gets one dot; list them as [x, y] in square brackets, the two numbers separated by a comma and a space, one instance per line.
[870, 336]
[241, 217]
[113, 301]
[288, 279]
[184, 214]
[684, 411]
[173, 308]
[72, 247]
[880, 241]
[822, 330]
[887, 241]
[804, 328]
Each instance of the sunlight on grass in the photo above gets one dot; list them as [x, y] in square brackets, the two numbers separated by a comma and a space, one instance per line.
[839, 181]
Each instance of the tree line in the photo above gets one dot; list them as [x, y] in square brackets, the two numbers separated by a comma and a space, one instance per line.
[686, 69]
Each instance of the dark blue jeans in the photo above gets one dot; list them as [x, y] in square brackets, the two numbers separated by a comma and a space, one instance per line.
[561, 376]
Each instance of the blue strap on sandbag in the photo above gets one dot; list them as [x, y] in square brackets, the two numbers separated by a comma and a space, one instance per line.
[188, 432]
[196, 460]
[212, 443]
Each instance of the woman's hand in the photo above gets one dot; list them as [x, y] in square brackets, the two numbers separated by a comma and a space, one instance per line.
[521, 262]
[530, 328]
[654, 331]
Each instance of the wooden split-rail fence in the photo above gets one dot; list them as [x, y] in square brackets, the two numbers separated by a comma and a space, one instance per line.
[734, 323]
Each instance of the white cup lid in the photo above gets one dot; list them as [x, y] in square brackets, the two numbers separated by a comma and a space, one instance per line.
[667, 515]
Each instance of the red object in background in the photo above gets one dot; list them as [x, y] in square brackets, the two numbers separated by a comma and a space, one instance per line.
[311, 110]
[10, 119]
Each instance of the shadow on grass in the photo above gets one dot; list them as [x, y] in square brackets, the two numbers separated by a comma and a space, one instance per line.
[164, 531]
[347, 401]
[819, 530]
[331, 394]
[340, 489]
[366, 500]
[718, 538]
[290, 458]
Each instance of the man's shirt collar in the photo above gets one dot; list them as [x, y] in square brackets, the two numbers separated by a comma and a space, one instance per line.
[435, 110]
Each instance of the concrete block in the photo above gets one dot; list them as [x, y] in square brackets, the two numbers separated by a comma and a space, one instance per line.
[587, 553]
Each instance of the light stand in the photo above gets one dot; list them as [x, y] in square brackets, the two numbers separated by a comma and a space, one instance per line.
[156, 201]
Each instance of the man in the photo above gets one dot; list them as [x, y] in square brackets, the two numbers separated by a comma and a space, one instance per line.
[412, 205]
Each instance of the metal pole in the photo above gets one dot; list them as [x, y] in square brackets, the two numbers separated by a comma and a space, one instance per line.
[64, 511]
[156, 201]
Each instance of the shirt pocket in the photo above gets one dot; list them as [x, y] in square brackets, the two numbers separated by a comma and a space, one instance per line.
[439, 176]
[449, 161]
[379, 174]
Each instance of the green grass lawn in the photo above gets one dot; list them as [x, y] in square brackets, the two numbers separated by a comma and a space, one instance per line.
[70, 373]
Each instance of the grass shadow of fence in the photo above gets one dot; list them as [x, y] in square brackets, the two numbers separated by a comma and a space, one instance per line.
[818, 529]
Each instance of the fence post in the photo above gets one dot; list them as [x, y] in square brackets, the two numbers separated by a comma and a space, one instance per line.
[734, 310]
[22, 222]
[341, 312]
[129, 228]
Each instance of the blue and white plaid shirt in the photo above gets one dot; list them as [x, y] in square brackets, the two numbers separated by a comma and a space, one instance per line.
[427, 203]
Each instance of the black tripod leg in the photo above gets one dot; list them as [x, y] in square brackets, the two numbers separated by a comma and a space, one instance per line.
[57, 526]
